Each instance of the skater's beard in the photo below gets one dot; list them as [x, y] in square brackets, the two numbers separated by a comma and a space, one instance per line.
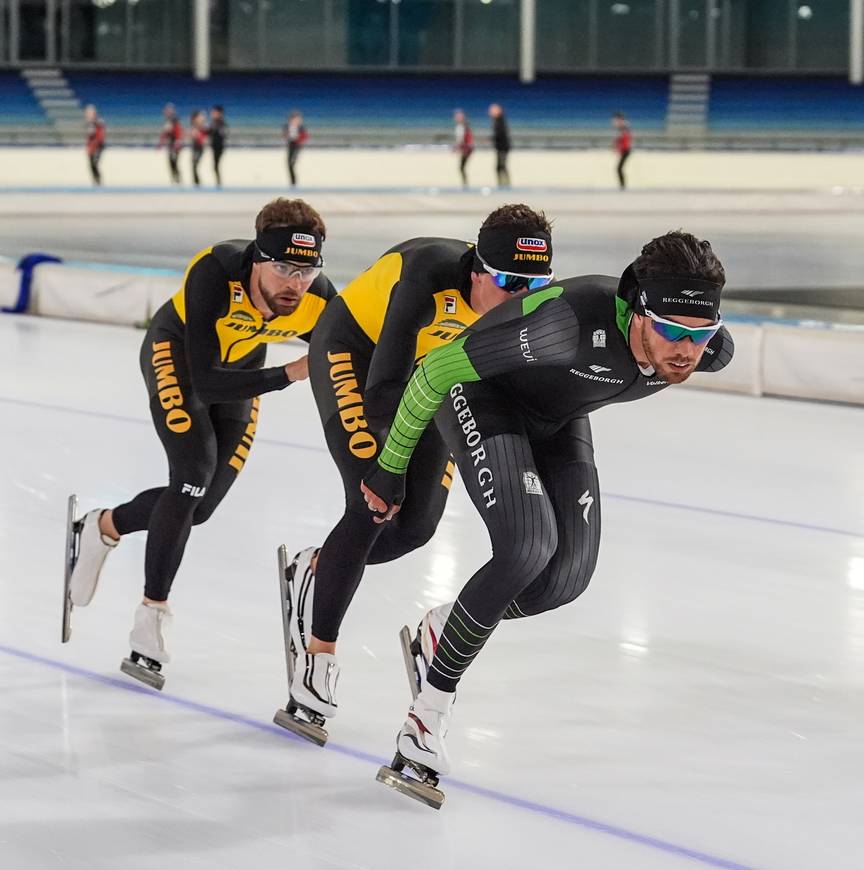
[674, 362]
[283, 301]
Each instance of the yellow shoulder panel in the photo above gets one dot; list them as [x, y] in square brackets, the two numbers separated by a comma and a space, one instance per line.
[368, 295]
[452, 316]
[179, 298]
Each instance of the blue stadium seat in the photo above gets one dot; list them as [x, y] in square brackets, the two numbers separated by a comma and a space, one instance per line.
[825, 103]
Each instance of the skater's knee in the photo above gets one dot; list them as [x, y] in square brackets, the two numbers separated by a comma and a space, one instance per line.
[398, 541]
[205, 508]
[191, 491]
[520, 561]
[562, 584]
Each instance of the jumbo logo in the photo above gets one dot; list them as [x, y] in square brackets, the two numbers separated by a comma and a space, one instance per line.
[526, 243]
[304, 240]
[177, 418]
[361, 442]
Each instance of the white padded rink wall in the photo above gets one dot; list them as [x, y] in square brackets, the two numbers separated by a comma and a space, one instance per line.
[800, 360]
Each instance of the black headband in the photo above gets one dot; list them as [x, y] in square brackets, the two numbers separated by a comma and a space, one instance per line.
[516, 250]
[680, 297]
[288, 243]
[676, 296]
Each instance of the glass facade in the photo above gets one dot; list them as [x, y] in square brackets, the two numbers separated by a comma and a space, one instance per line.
[430, 35]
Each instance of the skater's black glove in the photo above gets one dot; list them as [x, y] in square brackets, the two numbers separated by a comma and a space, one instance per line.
[384, 492]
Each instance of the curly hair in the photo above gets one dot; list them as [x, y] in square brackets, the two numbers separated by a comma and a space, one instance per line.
[283, 212]
[518, 215]
[679, 254]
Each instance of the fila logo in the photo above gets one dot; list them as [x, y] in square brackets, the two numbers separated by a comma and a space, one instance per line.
[303, 240]
[532, 483]
[237, 294]
[194, 491]
[526, 243]
[587, 500]
[599, 338]
[449, 304]
[598, 369]
[692, 293]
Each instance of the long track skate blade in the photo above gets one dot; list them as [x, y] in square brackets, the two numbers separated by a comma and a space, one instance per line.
[71, 548]
[405, 642]
[413, 788]
[307, 730]
[284, 566]
[152, 678]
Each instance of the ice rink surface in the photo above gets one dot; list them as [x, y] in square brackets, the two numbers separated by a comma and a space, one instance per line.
[700, 705]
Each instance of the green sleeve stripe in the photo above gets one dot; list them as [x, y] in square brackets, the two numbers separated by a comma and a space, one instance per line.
[442, 368]
[533, 301]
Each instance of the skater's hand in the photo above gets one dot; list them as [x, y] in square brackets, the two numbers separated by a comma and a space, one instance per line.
[299, 369]
[383, 492]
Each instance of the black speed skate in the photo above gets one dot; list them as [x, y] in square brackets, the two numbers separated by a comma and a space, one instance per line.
[294, 717]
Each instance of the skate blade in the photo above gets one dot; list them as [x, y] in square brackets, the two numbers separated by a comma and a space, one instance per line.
[284, 568]
[310, 731]
[72, 529]
[146, 675]
[423, 792]
[407, 642]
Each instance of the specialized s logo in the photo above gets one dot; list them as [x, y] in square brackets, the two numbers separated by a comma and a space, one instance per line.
[586, 500]
[526, 243]
[303, 240]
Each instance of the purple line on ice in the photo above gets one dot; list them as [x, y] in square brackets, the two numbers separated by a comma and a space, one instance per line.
[359, 755]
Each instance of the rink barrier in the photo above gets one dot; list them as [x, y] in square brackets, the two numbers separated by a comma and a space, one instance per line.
[804, 359]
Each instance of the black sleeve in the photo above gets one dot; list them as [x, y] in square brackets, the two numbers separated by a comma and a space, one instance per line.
[206, 297]
[411, 307]
[549, 335]
[325, 289]
[718, 353]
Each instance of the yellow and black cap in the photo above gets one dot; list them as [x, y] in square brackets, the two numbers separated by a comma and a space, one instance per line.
[297, 244]
[515, 250]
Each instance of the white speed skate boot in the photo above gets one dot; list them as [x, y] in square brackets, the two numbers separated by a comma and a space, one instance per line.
[420, 747]
[311, 678]
[86, 551]
[147, 640]
[420, 650]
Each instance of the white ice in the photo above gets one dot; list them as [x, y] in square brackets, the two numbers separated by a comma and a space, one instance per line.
[700, 705]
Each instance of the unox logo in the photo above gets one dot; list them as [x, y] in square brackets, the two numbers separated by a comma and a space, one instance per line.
[303, 240]
[528, 244]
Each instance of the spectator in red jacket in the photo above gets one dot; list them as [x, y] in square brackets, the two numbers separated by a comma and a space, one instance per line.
[198, 139]
[623, 144]
[95, 141]
[464, 142]
[171, 137]
[295, 136]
